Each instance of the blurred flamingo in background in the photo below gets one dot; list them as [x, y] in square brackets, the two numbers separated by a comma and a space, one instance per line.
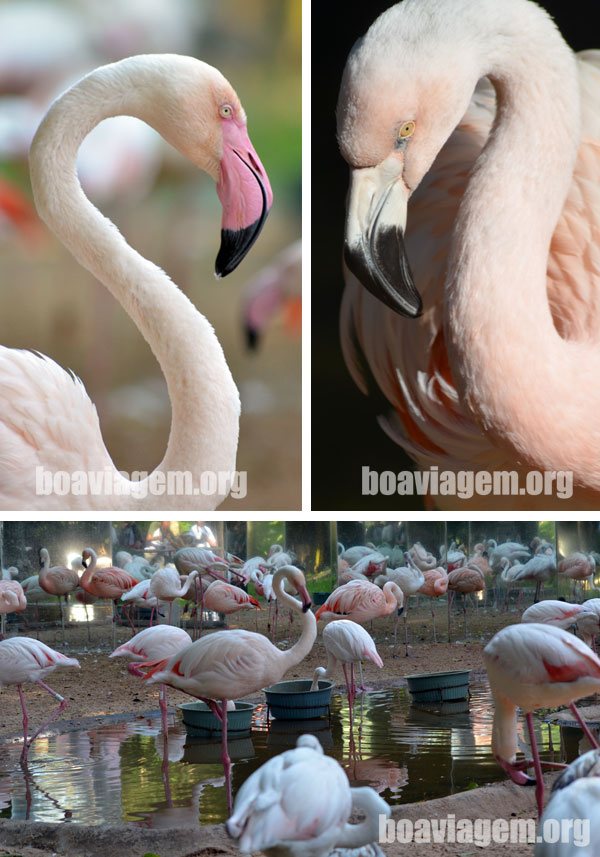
[347, 643]
[466, 581]
[436, 585]
[105, 583]
[12, 600]
[23, 660]
[276, 288]
[578, 567]
[154, 644]
[57, 580]
[362, 601]
[196, 109]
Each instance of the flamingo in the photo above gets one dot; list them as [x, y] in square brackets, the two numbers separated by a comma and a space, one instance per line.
[231, 664]
[452, 557]
[193, 107]
[12, 600]
[24, 660]
[10, 573]
[353, 554]
[266, 814]
[575, 795]
[346, 643]
[530, 667]
[154, 644]
[166, 585]
[559, 614]
[503, 209]
[203, 560]
[410, 579]
[274, 288]
[362, 601]
[465, 580]
[588, 622]
[421, 557]
[57, 580]
[435, 585]
[106, 583]
[225, 598]
[577, 566]
[512, 551]
[141, 597]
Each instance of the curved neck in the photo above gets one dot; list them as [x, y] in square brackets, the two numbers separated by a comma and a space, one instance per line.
[367, 801]
[87, 575]
[304, 644]
[204, 398]
[498, 317]
[394, 597]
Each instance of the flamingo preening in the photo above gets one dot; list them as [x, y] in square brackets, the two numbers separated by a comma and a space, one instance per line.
[530, 667]
[227, 665]
[154, 644]
[299, 804]
[23, 660]
[476, 120]
[197, 111]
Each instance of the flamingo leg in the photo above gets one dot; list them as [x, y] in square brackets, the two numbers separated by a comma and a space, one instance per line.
[225, 754]
[62, 704]
[465, 614]
[434, 629]
[586, 730]
[170, 611]
[2, 626]
[539, 777]
[25, 720]
[362, 686]
[87, 623]
[405, 629]
[162, 701]
[62, 618]
[165, 770]
[114, 624]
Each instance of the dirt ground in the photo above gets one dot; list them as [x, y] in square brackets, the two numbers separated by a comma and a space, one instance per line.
[103, 687]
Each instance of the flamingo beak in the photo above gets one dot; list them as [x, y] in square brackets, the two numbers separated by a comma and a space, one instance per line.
[306, 599]
[245, 195]
[374, 248]
[516, 773]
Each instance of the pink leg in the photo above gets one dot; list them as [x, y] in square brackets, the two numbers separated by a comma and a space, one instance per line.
[170, 611]
[539, 777]
[221, 714]
[350, 693]
[162, 701]
[589, 735]
[151, 616]
[57, 711]
[25, 721]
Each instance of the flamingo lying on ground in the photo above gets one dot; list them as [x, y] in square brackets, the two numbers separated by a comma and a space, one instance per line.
[12, 600]
[266, 814]
[530, 667]
[575, 795]
[504, 190]
[57, 580]
[154, 644]
[106, 583]
[362, 601]
[346, 643]
[231, 664]
[24, 660]
[193, 107]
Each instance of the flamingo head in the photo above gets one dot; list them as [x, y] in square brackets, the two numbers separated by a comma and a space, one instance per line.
[86, 557]
[44, 557]
[397, 107]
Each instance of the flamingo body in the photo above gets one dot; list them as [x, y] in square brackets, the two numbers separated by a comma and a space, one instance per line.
[361, 601]
[225, 598]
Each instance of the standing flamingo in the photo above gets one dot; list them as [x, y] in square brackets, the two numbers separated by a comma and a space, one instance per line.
[12, 600]
[267, 817]
[166, 585]
[194, 108]
[410, 579]
[108, 583]
[154, 644]
[466, 580]
[436, 585]
[362, 601]
[225, 598]
[577, 567]
[228, 665]
[421, 557]
[503, 188]
[347, 643]
[575, 795]
[530, 667]
[24, 660]
[57, 580]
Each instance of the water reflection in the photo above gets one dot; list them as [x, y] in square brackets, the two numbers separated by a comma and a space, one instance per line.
[128, 771]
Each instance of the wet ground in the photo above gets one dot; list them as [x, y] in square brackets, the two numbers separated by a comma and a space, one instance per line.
[125, 771]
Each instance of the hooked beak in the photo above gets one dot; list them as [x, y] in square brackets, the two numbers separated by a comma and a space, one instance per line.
[245, 195]
[516, 771]
[374, 244]
[83, 563]
[306, 599]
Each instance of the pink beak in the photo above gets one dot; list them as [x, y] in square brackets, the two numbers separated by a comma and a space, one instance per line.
[245, 195]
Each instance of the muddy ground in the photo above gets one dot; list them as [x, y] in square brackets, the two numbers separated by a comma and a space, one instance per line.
[103, 687]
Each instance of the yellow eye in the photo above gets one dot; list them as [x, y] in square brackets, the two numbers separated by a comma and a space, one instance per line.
[406, 130]
[226, 111]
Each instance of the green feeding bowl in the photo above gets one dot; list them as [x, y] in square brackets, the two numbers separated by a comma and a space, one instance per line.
[439, 687]
[200, 722]
[294, 700]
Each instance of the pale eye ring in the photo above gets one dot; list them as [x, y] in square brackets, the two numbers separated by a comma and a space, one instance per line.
[226, 111]
[406, 130]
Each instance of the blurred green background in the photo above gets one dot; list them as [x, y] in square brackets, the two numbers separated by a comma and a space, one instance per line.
[166, 209]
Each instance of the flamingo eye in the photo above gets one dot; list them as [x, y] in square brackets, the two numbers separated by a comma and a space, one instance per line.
[226, 111]
[404, 132]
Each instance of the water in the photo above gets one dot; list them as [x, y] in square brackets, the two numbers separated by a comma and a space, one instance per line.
[125, 771]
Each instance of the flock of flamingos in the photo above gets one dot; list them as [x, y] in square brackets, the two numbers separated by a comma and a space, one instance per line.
[547, 660]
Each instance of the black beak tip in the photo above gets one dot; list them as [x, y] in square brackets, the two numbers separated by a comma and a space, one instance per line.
[306, 607]
[252, 338]
[235, 244]
[400, 611]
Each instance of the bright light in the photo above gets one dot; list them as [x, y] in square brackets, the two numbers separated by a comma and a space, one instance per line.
[72, 555]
